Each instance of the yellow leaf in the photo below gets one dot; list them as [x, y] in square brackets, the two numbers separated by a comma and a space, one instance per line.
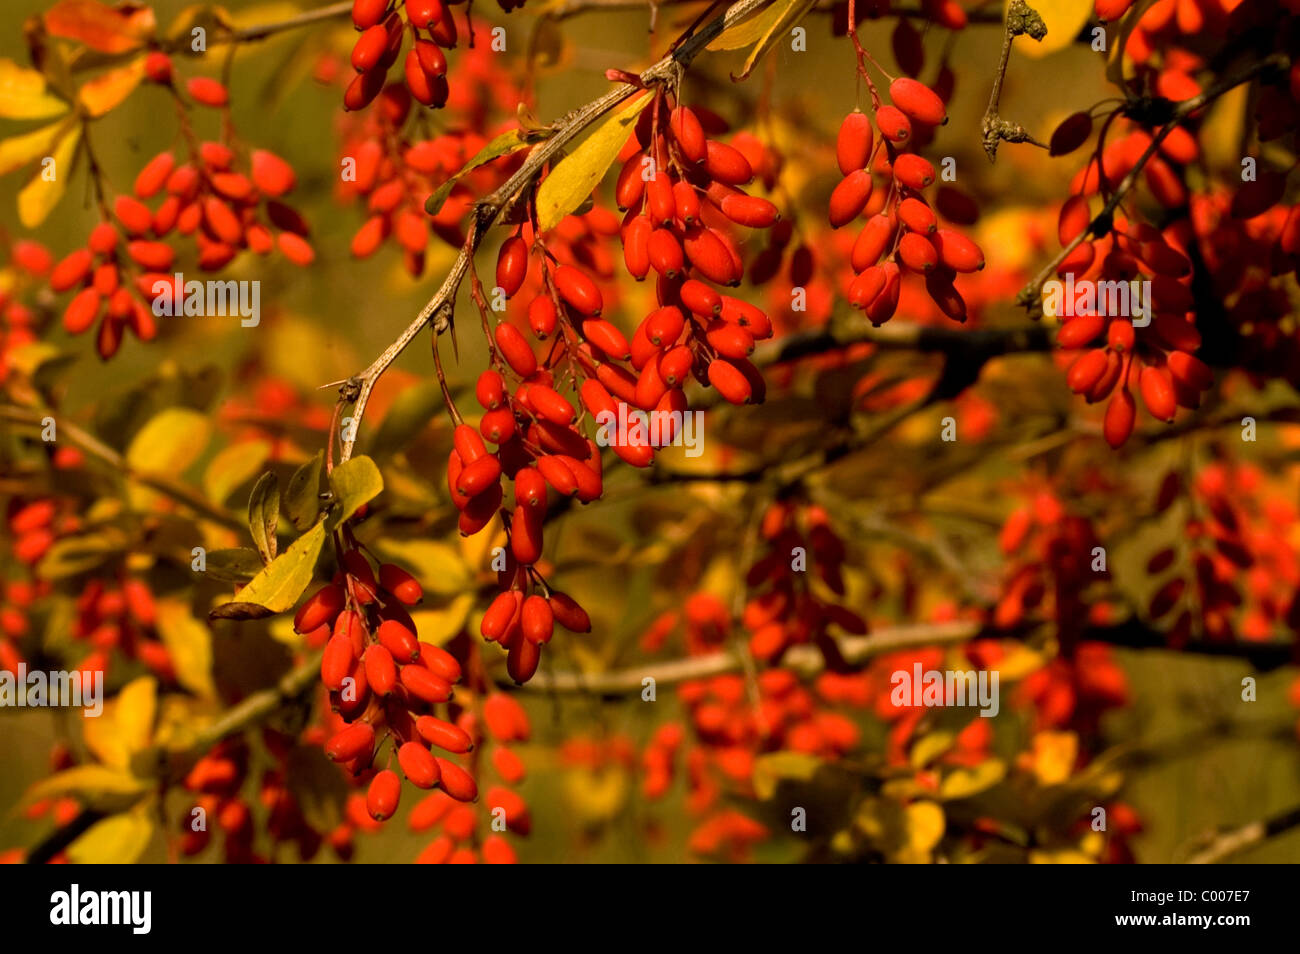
[751, 30]
[107, 91]
[1063, 857]
[353, 483]
[476, 551]
[23, 94]
[97, 785]
[232, 467]
[1064, 19]
[596, 795]
[1053, 756]
[792, 12]
[930, 747]
[439, 626]
[18, 151]
[126, 725]
[438, 566]
[189, 642]
[570, 182]
[171, 441]
[283, 580]
[770, 770]
[39, 197]
[925, 824]
[963, 783]
[117, 840]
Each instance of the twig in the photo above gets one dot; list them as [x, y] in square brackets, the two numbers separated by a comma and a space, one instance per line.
[96, 448]
[1021, 19]
[1230, 842]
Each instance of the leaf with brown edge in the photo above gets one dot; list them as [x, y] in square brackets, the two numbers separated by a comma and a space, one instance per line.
[240, 611]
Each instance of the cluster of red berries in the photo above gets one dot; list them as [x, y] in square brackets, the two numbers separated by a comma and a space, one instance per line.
[1053, 566]
[380, 677]
[683, 199]
[120, 617]
[786, 609]
[458, 840]
[217, 781]
[29, 262]
[395, 175]
[383, 25]
[225, 209]
[902, 230]
[1237, 576]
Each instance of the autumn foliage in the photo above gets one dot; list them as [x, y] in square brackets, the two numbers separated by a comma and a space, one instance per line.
[461, 435]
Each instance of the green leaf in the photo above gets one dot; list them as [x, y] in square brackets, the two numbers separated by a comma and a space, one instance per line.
[232, 467]
[117, 840]
[277, 588]
[171, 441]
[353, 483]
[235, 565]
[572, 181]
[301, 501]
[502, 145]
[264, 515]
[190, 644]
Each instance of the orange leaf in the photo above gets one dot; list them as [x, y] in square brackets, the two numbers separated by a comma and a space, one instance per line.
[99, 26]
[107, 91]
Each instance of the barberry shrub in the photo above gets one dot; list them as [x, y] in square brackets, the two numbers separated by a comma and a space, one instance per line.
[420, 444]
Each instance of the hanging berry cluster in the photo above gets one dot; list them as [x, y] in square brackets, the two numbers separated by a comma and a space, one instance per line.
[681, 194]
[383, 25]
[902, 230]
[381, 678]
[222, 199]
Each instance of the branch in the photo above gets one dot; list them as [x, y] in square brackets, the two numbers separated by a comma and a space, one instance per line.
[807, 660]
[356, 389]
[87, 442]
[1030, 297]
[1217, 847]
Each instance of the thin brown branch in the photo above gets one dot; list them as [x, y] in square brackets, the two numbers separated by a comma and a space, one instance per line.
[1021, 20]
